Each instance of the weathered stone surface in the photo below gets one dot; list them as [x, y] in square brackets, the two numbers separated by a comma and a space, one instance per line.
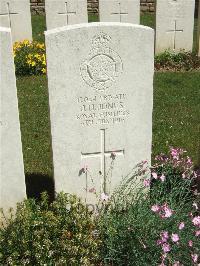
[15, 14]
[12, 180]
[174, 25]
[62, 13]
[119, 11]
[100, 103]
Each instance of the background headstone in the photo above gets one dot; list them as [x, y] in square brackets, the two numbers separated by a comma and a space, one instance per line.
[65, 12]
[15, 14]
[12, 180]
[100, 103]
[119, 11]
[198, 34]
[174, 25]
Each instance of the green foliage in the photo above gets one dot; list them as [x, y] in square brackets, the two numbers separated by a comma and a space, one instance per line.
[135, 221]
[183, 61]
[29, 58]
[61, 233]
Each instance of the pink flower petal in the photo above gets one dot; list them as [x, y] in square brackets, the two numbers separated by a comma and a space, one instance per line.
[155, 208]
[181, 226]
[197, 233]
[147, 182]
[194, 257]
[175, 238]
[155, 176]
[166, 247]
[163, 178]
[190, 243]
[196, 221]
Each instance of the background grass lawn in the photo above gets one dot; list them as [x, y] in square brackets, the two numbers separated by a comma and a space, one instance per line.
[176, 116]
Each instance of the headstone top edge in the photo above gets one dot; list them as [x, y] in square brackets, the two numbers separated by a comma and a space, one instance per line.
[3, 29]
[97, 24]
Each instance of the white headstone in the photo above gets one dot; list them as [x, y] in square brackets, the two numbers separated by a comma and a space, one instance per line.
[100, 103]
[65, 12]
[15, 14]
[12, 180]
[119, 11]
[198, 34]
[174, 25]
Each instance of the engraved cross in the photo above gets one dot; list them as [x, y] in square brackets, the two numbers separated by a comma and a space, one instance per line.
[9, 13]
[102, 155]
[174, 31]
[120, 13]
[67, 13]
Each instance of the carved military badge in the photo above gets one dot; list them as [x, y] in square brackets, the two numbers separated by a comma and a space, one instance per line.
[103, 65]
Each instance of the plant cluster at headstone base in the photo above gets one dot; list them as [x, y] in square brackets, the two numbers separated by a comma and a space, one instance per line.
[62, 233]
[153, 222]
[29, 58]
[182, 61]
[157, 222]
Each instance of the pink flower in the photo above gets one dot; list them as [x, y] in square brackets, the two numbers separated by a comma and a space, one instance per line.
[164, 236]
[183, 176]
[92, 190]
[196, 221]
[174, 153]
[155, 208]
[189, 160]
[194, 257]
[181, 226]
[175, 238]
[166, 247]
[144, 162]
[155, 176]
[197, 233]
[104, 197]
[147, 182]
[190, 243]
[166, 211]
[159, 242]
[162, 178]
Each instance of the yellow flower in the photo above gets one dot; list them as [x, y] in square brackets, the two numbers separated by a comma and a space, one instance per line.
[44, 70]
[29, 62]
[37, 56]
[26, 42]
[33, 63]
[29, 56]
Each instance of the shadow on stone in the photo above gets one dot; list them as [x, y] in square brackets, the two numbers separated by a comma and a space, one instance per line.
[37, 183]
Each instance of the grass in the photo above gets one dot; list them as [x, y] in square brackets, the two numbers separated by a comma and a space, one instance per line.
[39, 26]
[176, 113]
[35, 125]
[176, 116]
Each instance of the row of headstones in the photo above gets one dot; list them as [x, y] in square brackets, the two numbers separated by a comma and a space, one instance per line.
[174, 18]
[100, 108]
